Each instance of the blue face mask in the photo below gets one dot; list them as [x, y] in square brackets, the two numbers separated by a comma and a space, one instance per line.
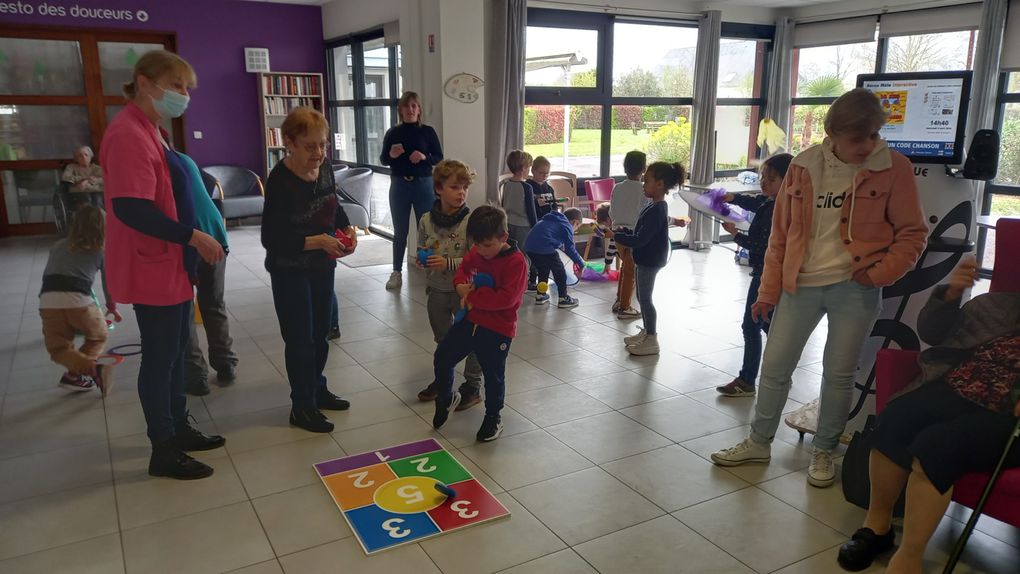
[172, 105]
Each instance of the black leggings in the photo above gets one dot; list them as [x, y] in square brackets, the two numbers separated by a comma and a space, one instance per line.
[544, 263]
[948, 434]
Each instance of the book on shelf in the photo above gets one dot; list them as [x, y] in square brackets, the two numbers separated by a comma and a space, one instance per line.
[273, 157]
[274, 137]
[291, 85]
[277, 106]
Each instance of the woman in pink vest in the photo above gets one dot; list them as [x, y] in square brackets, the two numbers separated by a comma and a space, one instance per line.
[847, 222]
[152, 248]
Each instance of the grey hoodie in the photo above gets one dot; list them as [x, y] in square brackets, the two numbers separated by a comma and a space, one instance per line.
[450, 242]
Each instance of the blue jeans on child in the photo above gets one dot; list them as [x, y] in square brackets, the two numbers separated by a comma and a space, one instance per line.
[752, 335]
[302, 301]
[405, 195]
[645, 285]
[851, 309]
[164, 331]
[489, 347]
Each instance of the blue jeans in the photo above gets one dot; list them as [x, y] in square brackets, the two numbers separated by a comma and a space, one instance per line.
[645, 285]
[752, 335]
[851, 309]
[404, 195]
[164, 331]
[302, 301]
[489, 347]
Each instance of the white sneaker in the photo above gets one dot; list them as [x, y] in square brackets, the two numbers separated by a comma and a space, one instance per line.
[635, 339]
[744, 451]
[822, 472]
[396, 278]
[648, 346]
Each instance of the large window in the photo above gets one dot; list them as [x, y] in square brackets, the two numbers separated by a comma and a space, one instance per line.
[598, 86]
[364, 86]
[1002, 196]
[931, 52]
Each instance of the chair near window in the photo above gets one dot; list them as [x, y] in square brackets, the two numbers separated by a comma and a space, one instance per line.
[597, 191]
[355, 189]
[243, 193]
[564, 186]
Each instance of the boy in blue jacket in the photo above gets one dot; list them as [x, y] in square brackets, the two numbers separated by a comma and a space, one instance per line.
[553, 231]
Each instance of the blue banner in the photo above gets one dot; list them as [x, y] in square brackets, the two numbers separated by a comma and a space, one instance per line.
[923, 149]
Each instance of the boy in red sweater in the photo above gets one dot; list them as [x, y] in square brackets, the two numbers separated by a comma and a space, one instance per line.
[491, 321]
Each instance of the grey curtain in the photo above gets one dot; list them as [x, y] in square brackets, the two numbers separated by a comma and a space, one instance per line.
[504, 88]
[706, 79]
[777, 100]
[986, 66]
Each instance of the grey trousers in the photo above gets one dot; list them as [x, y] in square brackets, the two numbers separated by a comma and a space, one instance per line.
[216, 323]
[441, 307]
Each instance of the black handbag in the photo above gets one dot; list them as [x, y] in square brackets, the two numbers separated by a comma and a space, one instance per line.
[855, 479]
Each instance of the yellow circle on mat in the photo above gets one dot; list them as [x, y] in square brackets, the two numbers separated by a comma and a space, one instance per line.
[409, 494]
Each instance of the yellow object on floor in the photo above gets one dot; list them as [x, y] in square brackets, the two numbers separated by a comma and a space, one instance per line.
[198, 312]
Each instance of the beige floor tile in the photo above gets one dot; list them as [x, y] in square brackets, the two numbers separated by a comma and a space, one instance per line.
[607, 436]
[681, 374]
[258, 429]
[284, 467]
[409, 369]
[128, 419]
[525, 459]
[53, 471]
[43, 522]
[539, 345]
[380, 349]
[786, 458]
[585, 505]
[460, 429]
[382, 435]
[725, 520]
[738, 408]
[673, 477]
[100, 555]
[825, 563]
[622, 390]
[348, 555]
[301, 518]
[267, 567]
[35, 435]
[728, 361]
[562, 562]
[142, 499]
[229, 401]
[661, 545]
[50, 402]
[367, 408]
[680, 418]
[554, 405]
[216, 540]
[576, 366]
[506, 542]
[827, 505]
[522, 377]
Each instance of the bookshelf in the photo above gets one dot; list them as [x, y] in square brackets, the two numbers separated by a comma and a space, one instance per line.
[279, 93]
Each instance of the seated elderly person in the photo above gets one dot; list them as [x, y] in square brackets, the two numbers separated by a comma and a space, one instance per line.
[954, 419]
[85, 177]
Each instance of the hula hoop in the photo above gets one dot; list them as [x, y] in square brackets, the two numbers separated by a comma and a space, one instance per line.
[118, 352]
[109, 360]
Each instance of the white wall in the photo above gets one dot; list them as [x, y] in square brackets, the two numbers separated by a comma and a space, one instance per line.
[342, 17]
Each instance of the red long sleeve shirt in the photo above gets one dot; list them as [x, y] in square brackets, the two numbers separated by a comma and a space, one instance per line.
[496, 307]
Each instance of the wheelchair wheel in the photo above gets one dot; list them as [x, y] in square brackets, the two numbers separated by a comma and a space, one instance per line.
[61, 213]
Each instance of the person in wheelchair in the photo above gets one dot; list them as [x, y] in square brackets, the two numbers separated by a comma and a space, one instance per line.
[84, 179]
[953, 419]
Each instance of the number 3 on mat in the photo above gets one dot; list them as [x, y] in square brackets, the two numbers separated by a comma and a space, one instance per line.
[392, 528]
[460, 507]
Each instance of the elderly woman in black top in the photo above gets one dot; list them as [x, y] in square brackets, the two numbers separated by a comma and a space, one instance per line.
[299, 223]
[410, 149]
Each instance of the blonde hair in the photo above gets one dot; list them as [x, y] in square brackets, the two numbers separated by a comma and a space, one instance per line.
[302, 120]
[518, 160]
[406, 99]
[540, 162]
[157, 64]
[88, 229]
[451, 169]
[857, 112]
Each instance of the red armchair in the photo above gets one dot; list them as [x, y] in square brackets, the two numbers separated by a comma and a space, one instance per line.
[894, 369]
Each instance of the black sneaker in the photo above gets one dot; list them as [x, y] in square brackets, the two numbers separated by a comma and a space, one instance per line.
[169, 461]
[330, 402]
[199, 388]
[227, 376]
[428, 394]
[444, 409]
[863, 548]
[531, 288]
[334, 334]
[492, 427]
[189, 438]
[311, 420]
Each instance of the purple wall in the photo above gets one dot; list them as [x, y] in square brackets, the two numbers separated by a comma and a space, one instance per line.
[212, 35]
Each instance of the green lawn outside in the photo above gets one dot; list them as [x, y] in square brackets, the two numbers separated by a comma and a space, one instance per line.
[1006, 205]
[588, 143]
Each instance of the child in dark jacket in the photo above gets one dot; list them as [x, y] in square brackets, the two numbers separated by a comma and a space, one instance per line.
[491, 321]
[554, 231]
[756, 241]
[545, 197]
[650, 242]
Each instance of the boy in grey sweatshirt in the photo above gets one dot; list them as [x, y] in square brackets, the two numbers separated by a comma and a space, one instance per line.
[442, 243]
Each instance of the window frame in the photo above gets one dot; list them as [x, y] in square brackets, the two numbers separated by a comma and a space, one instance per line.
[762, 34]
[1003, 97]
[360, 102]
